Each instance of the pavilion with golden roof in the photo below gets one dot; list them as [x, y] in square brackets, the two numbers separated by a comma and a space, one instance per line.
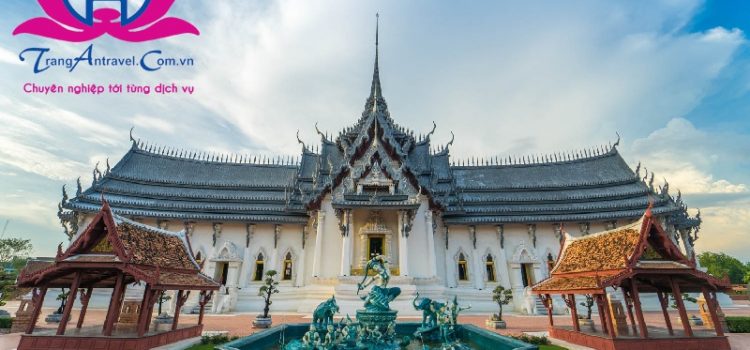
[113, 253]
[637, 258]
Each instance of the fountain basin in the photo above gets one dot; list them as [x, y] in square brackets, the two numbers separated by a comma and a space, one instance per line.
[470, 335]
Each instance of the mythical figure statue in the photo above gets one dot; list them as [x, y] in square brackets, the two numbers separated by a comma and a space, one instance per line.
[428, 307]
[323, 314]
[380, 295]
[311, 339]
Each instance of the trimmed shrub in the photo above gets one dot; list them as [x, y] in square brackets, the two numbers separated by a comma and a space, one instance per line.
[738, 324]
[6, 322]
[532, 339]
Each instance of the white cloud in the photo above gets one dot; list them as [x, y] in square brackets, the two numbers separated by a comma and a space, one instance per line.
[563, 75]
[687, 156]
[725, 229]
[8, 57]
[146, 122]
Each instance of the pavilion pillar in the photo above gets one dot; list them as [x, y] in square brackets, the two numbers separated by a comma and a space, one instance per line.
[203, 299]
[681, 307]
[403, 243]
[69, 304]
[663, 302]
[629, 305]
[574, 312]
[318, 252]
[114, 305]
[600, 306]
[38, 300]
[638, 310]
[547, 300]
[181, 299]
[85, 297]
[711, 302]
[608, 317]
[145, 317]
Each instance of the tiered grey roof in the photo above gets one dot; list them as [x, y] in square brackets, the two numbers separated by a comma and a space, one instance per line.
[149, 184]
[596, 185]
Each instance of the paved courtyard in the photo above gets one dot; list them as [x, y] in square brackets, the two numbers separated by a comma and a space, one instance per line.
[241, 324]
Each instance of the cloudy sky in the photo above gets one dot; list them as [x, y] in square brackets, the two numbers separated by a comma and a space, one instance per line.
[508, 78]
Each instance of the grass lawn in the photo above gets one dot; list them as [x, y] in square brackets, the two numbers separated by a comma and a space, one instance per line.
[551, 347]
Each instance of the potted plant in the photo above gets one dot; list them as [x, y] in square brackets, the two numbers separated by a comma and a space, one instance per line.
[56, 316]
[269, 288]
[585, 321]
[501, 296]
[692, 319]
[163, 317]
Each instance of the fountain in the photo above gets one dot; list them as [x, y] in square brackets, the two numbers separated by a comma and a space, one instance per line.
[375, 327]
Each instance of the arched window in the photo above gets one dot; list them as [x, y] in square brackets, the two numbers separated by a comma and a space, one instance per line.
[259, 266]
[287, 276]
[489, 264]
[463, 272]
[198, 258]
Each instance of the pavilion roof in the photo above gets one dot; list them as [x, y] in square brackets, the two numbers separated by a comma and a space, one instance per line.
[111, 245]
[641, 250]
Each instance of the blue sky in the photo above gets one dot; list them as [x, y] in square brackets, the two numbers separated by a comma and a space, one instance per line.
[508, 78]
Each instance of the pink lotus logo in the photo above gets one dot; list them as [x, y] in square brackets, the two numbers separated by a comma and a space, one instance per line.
[65, 23]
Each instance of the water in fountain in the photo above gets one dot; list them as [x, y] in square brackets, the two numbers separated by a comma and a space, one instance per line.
[375, 325]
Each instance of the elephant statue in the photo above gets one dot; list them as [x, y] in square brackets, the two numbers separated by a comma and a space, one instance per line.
[428, 308]
[323, 314]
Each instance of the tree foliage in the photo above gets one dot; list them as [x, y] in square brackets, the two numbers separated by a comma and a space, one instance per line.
[501, 296]
[721, 264]
[269, 287]
[14, 248]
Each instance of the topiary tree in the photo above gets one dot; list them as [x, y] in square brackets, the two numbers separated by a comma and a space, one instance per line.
[588, 304]
[501, 296]
[269, 288]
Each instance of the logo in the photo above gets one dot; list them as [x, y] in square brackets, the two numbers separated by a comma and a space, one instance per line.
[66, 24]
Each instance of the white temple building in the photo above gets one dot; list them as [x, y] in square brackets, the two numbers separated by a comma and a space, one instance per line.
[448, 228]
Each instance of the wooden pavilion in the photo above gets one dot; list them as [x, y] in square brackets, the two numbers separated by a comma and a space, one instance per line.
[637, 258]
[114, 252]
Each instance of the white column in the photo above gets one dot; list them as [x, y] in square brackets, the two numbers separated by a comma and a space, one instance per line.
[274, 264]
[450, 264]
[346, 247]
[431, 242]
[476, 273]
[403, 242]
[317, 258]
[299, 266]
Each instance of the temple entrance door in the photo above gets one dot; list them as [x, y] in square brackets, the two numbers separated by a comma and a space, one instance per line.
[222, 270]
[375, 245]
[527, 274]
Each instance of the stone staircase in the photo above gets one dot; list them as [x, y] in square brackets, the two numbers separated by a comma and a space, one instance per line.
[197, 308]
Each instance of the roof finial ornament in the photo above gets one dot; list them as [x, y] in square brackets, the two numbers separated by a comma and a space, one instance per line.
[434, 126]
[617, 143]
[638, 170]
[304, 148]
[453, 138]
[322, 136]
[132, 139]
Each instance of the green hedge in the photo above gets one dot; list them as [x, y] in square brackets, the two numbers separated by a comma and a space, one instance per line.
[532, 339]
[738, 324]
[6, 322]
